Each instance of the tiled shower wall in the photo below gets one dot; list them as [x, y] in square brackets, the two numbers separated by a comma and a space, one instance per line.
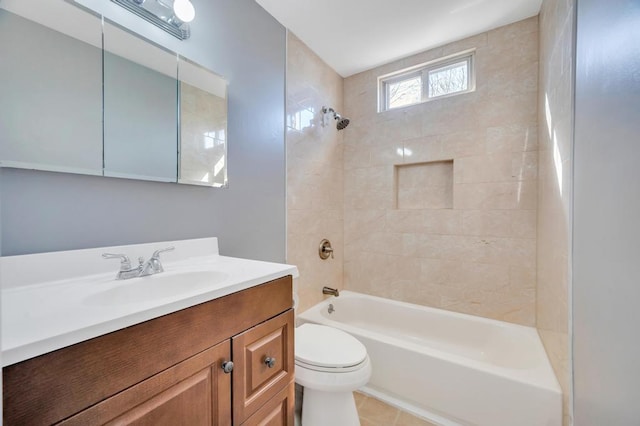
[555, 182]
[468, 242]
[314, 172]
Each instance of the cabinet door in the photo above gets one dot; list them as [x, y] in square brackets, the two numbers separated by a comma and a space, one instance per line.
[278, 411]
[194, 392]
[264, 360]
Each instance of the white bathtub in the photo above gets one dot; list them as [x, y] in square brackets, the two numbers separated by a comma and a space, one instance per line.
[450, 368]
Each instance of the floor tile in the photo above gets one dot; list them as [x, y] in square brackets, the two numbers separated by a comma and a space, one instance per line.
[373, 412]
[360, 398]
[406, 419]
[377, 412]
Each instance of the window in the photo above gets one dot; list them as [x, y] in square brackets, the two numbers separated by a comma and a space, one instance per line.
[445, 77]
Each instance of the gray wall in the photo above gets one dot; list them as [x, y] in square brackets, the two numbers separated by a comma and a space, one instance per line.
[43, 211]
[606, 248]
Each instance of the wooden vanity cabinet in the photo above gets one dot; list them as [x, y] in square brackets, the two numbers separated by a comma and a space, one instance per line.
[264, 362]
[168, 371]
[278, 411]
[195, 392]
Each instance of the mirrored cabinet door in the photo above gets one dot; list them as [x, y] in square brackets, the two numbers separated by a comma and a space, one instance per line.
[140, 108]
[51, 87]
[203, 126]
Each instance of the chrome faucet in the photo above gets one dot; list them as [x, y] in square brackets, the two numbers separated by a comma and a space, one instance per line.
[332, 291]
[153, 265]
[150, 267]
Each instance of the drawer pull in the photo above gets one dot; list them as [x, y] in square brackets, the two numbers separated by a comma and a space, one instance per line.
[227, 367]
[270, 362]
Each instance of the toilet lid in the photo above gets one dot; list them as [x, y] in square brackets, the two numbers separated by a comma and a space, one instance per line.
[324, 346]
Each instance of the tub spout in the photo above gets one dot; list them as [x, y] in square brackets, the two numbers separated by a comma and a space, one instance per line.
[332, 291]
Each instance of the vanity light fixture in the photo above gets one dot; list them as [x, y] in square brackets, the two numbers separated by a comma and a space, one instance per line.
[184, 10]
[173, 16]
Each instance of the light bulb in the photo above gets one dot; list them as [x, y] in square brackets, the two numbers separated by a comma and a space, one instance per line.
[184, 10]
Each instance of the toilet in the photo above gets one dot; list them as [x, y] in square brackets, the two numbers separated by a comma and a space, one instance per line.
[330, 364]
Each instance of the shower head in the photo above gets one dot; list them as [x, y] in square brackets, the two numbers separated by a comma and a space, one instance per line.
[342, 121]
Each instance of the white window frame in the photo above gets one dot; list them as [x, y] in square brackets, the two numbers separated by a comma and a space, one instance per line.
[423, 70]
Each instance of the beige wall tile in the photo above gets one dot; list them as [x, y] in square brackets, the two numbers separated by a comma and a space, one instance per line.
[496, 223]
[410, 61]
[553, 227]
[474, 42]
[512, 138]
[477, 255]
[500, 110]
[524, 223]
[500, 223]
[479, 276]
[495, 196]
[315, 181]
[430, 221]
[358, 223]
[514, 79]
[497, 167]
[370, 200]
[459, 144]
[423, 149]
[383, 154]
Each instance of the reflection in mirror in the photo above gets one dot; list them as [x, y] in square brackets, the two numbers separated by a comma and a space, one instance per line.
[51, 87]
[140, 108]
[203, 126]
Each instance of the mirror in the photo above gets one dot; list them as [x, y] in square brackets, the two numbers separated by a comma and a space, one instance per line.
[203, 126]
[51, 88]
[83, 95]
[140, 108]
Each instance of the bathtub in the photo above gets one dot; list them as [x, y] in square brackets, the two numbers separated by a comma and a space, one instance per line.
[449, 368]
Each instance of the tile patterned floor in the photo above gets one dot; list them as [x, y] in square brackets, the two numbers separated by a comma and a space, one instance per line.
[374, 412]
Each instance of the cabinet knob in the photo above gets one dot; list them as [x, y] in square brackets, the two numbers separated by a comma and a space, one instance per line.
[270, 362]
[227, 367]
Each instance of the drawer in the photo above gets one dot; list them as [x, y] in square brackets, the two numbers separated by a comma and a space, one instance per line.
[279, 411]
[264, 361]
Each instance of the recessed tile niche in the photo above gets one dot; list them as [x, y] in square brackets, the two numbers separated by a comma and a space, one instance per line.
[424, 185]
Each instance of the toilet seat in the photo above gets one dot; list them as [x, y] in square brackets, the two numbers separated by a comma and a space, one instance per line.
[330, 365]
[322, 348]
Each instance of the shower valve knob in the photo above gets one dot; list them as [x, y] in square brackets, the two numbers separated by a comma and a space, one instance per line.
[227, 367]
[270, 362]
[325, 250]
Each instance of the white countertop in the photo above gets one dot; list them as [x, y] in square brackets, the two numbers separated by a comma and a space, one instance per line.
[42, 316]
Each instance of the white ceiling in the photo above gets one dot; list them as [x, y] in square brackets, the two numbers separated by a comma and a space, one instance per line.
[356, 35]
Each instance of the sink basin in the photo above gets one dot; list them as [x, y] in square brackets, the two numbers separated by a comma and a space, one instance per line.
[158, 286]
